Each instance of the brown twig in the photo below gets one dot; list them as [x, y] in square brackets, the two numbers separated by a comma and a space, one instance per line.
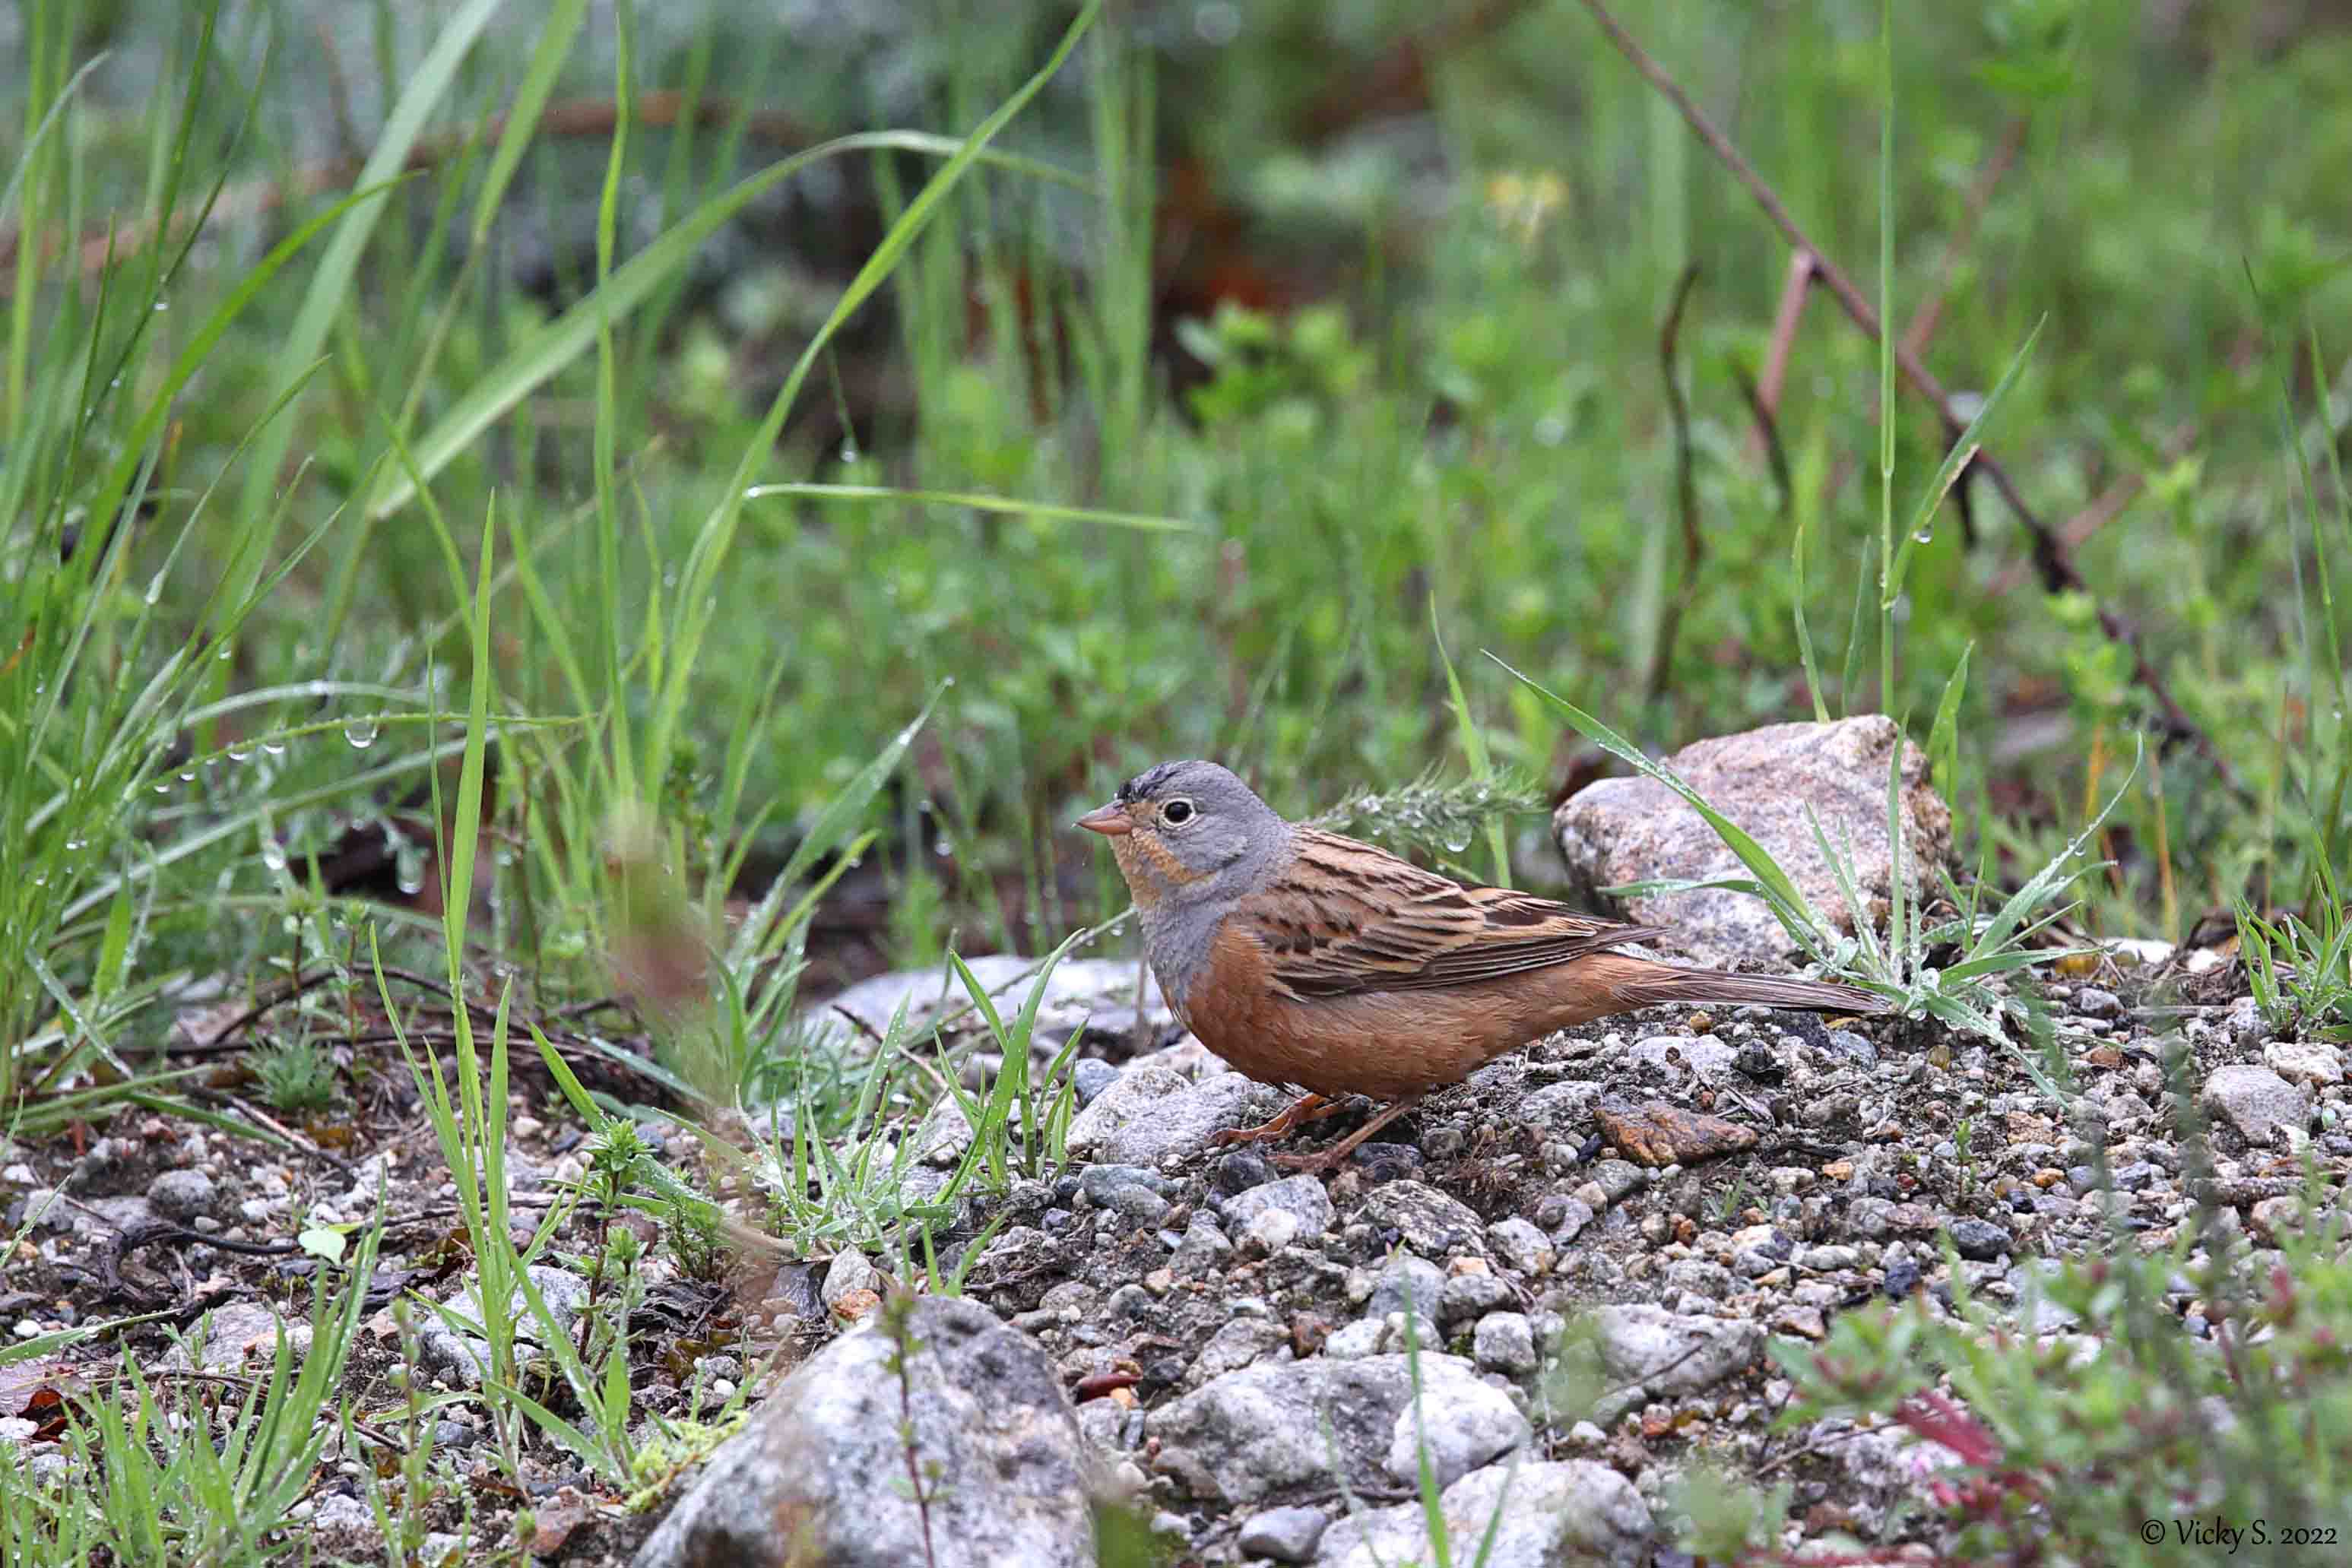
[1670, 615]
[1768, 430]
[2050, 560]
[1765, 398]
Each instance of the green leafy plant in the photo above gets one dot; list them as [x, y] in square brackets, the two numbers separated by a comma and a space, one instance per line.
[298, 1075]
[170, 1473]
[2300, 969]
[2252, 1424]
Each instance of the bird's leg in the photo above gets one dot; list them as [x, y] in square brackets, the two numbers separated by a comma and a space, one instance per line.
[1339, 1151]
[1305, 1108]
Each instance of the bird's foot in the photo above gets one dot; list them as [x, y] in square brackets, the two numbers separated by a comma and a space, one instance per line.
[1307, 1108]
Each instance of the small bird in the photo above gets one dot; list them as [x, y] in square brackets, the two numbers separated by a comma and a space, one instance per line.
[1306, 959]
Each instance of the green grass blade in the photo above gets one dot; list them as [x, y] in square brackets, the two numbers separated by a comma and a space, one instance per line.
[331, 286]
[711, 547]
[540, 356]
[1787, 902]
[1007, 506]
[1923, 516]
[1474, 745]
[1944, 737]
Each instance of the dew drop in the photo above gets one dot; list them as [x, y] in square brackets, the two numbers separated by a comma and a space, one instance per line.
[273, 855]
[360, 729]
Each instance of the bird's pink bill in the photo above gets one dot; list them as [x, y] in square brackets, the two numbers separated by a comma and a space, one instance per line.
[1109, 820]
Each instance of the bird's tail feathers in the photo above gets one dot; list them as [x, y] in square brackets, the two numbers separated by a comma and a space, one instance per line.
[1673, 983]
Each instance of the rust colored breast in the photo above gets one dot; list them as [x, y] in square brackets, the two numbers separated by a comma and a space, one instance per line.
[1386, 1044]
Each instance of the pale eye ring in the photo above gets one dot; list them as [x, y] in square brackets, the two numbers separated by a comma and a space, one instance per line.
[1178, 812]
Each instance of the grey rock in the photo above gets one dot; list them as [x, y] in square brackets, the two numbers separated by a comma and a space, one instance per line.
[943, 1134]
[183, 1195]
[231, 1337]
[1237, 1343]
[1152, 1112]
[1631, 830]
[1698, 1055]
[1259, 1433]
[1238, 1170]
[1870, 1218]
[1519, 1245]
[1300, 1197]
[463, 1358]
[1619, 1177]
[1426, 1219]
[1465, 1298]
[1543, 1514]
[1285, 1534]
[1563, 1216]
[1017, 1249]
[2274, 1220]
[1091, 1075]
[2253, 1100]
[1356, 1339]
[1270, 1231]
[1505, 1342]
[1456, 1431]
[2245, 1022]
[849, 1270]
[1404, 1281]
[1563, 1110]
[1854, 1048]
[1979, 1240]
[1698, 1276]
[342, 1526]
[1103, 1182]
[1077, 989]
[1668, 1354]
[2096, 1003]
[1202, 1251]
[2296, 1061]
[803, 1484]
[1139, 1207]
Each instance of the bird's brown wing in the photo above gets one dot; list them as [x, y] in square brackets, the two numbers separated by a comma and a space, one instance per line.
[1345, 917]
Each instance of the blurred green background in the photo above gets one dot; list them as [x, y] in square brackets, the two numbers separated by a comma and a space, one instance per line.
[1366, 298]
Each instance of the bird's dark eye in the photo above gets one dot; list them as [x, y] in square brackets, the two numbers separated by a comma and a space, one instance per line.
[1176, 813]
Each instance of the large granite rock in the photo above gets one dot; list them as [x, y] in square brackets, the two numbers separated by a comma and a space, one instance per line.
[820, 1476]
[1275, 1430]
[1100, 989]
[1621, 831]
[1541, 1514]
